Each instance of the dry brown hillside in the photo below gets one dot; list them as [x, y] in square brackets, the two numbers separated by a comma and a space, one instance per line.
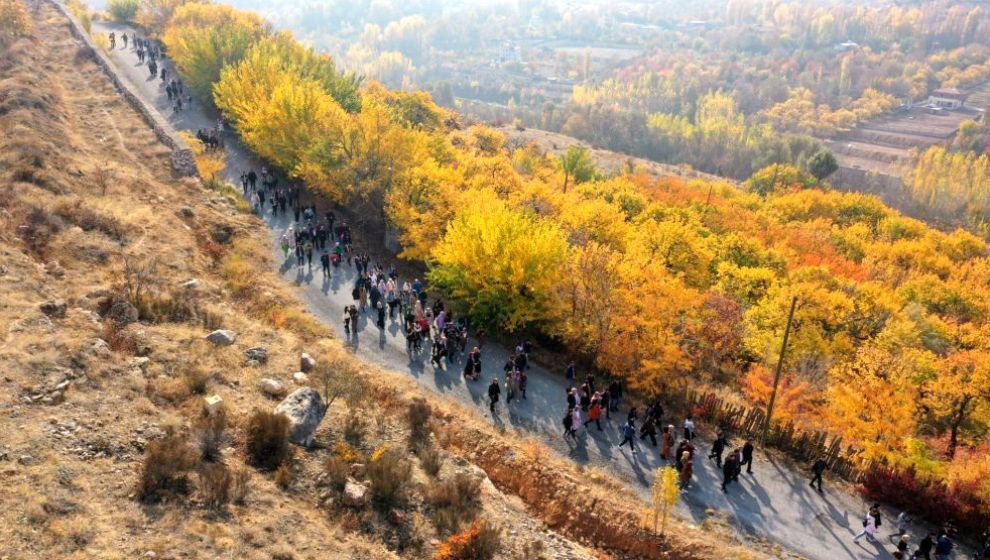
[113, 271]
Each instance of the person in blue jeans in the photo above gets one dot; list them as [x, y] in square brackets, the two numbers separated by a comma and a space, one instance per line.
[629, 435]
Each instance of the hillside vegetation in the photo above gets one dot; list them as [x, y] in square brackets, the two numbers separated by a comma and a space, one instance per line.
[663, 282]
[115, 271]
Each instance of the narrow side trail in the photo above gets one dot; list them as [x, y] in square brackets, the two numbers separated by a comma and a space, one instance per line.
[775, 504]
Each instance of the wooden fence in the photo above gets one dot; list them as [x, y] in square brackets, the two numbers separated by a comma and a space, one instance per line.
[802, 446]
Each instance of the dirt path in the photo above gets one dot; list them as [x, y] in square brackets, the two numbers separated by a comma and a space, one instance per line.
[775, 504]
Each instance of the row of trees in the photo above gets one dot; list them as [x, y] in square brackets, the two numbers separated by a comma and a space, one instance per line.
[954, 185]
[661, 282]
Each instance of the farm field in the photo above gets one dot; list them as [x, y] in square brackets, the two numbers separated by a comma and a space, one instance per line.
[884, 146]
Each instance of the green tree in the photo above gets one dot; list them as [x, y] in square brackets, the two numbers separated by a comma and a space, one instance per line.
[123, 11]
[822, 164]
[776, 178]
[576, 164]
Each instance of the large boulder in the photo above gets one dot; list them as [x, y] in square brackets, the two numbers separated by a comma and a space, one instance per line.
[306, 363]
[222, 337]
[305, 409]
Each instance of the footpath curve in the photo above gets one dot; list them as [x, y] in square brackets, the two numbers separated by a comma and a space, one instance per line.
[775, 505]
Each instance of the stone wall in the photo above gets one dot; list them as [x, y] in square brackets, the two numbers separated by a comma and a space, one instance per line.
[183, 158]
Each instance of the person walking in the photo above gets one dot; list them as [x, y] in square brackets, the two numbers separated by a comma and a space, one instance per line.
[925, 547]
[686, 469]
[903, 543]
[437, 354]
[493, 392]
[689, 428]
[615, 392]
[576, 419]
[325, 264]
[595, 414]
[869, 528]
[570, 372]
[569, 426]
[747, 456]
[649, 430]
[629, 435]
[943, 547]
[667, 437]
[818, 469]
[729, 470]
[718, 448]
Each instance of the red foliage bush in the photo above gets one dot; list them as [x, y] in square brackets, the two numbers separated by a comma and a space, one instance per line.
[937, 501]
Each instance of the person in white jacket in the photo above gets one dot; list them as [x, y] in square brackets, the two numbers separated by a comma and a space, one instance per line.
[869, 528]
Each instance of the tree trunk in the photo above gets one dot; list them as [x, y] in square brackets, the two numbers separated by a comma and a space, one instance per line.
[957, 419]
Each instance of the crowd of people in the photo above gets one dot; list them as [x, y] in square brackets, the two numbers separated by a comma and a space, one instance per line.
[152, 54]
[935, 543]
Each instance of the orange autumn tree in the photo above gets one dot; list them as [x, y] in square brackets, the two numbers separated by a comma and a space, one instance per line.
[796, 399]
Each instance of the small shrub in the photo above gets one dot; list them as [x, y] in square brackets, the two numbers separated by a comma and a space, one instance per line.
[101, 41]
[197, 381]
[285, 475]
[215, 485]
[119, 338]
[430, 459]
[418, 415]
[454, 501]
[389, 475]
[239, 485]
[347, 452]
[336, 472]
[81, 12]
[123, 11]
[354, 429]
[38, 230]
[480, 541]
[267, 439]
[209, 432]
[165, 472]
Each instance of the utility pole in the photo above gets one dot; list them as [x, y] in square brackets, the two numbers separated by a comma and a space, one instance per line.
[776, 375]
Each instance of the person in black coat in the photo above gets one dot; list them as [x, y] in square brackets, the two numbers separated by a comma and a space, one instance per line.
[729, 471]
[718, 448]
[493, 392]
[818, 469]
[747, 457]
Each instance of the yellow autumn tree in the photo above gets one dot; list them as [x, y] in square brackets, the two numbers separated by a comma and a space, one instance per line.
[204, 38]
[647, 348]
[873, 402]
[421, 204]
[664, 496]
[501, 266]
